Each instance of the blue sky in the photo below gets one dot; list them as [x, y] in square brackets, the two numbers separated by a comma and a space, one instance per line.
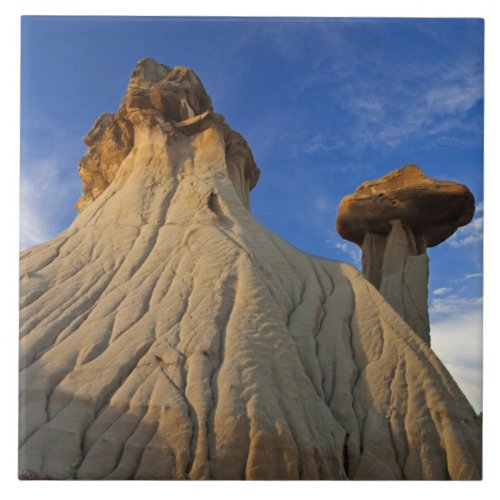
[324, 105]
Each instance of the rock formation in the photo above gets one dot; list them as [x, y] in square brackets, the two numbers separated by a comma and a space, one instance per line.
[394, 220]
[167, 334]
[158, 95]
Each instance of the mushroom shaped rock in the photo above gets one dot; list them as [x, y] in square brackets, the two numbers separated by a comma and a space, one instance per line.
[394, 220]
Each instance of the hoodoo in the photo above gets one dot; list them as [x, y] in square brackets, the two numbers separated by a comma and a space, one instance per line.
[167, 335]
[394, 220]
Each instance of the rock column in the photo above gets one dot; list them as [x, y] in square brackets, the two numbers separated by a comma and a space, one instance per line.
[400, 270]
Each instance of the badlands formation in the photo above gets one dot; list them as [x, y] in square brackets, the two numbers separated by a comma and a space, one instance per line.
[167, 335]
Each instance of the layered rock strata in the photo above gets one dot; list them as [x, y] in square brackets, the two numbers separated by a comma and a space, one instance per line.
[394, 220]
[167, 335]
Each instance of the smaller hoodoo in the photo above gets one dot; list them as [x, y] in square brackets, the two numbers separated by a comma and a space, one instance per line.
[394, 220]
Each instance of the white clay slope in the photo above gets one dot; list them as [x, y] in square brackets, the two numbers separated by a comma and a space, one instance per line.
[167, 334]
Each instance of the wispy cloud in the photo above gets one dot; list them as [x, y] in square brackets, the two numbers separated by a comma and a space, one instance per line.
[468, 235]
[344, 250]
[395, 100]
[392, 114]
[473, 276]
[33, 225]
[321, 143]
[471, 234]
[456, 336]
[353, 252]
[44, 190]
[453, 304]
[466, 277]
[457, 340]
[456, 90]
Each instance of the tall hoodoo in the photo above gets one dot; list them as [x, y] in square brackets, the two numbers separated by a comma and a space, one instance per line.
[167, 335]
[394, 220]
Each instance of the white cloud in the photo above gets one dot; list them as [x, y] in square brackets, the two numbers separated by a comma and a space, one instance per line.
[453, 304]
[436, 103]
[33, 186]
[421, 101]
[457, 97]
[33, 228]
[369, 104]
[352, 251]
[322, 143]
[467, 277]
[344, 249]
[473, 275]
[44, 194]
[468, 235]
[441, 291]
[457, 340]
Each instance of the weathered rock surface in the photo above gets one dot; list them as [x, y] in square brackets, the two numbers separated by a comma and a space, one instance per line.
[394, 220]
[167, 334]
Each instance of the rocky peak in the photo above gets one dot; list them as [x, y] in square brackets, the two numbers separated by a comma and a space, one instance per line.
[177, 93]
[172, 101]
[147, 72]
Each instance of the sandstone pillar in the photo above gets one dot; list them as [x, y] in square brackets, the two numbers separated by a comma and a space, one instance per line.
[394, 265]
